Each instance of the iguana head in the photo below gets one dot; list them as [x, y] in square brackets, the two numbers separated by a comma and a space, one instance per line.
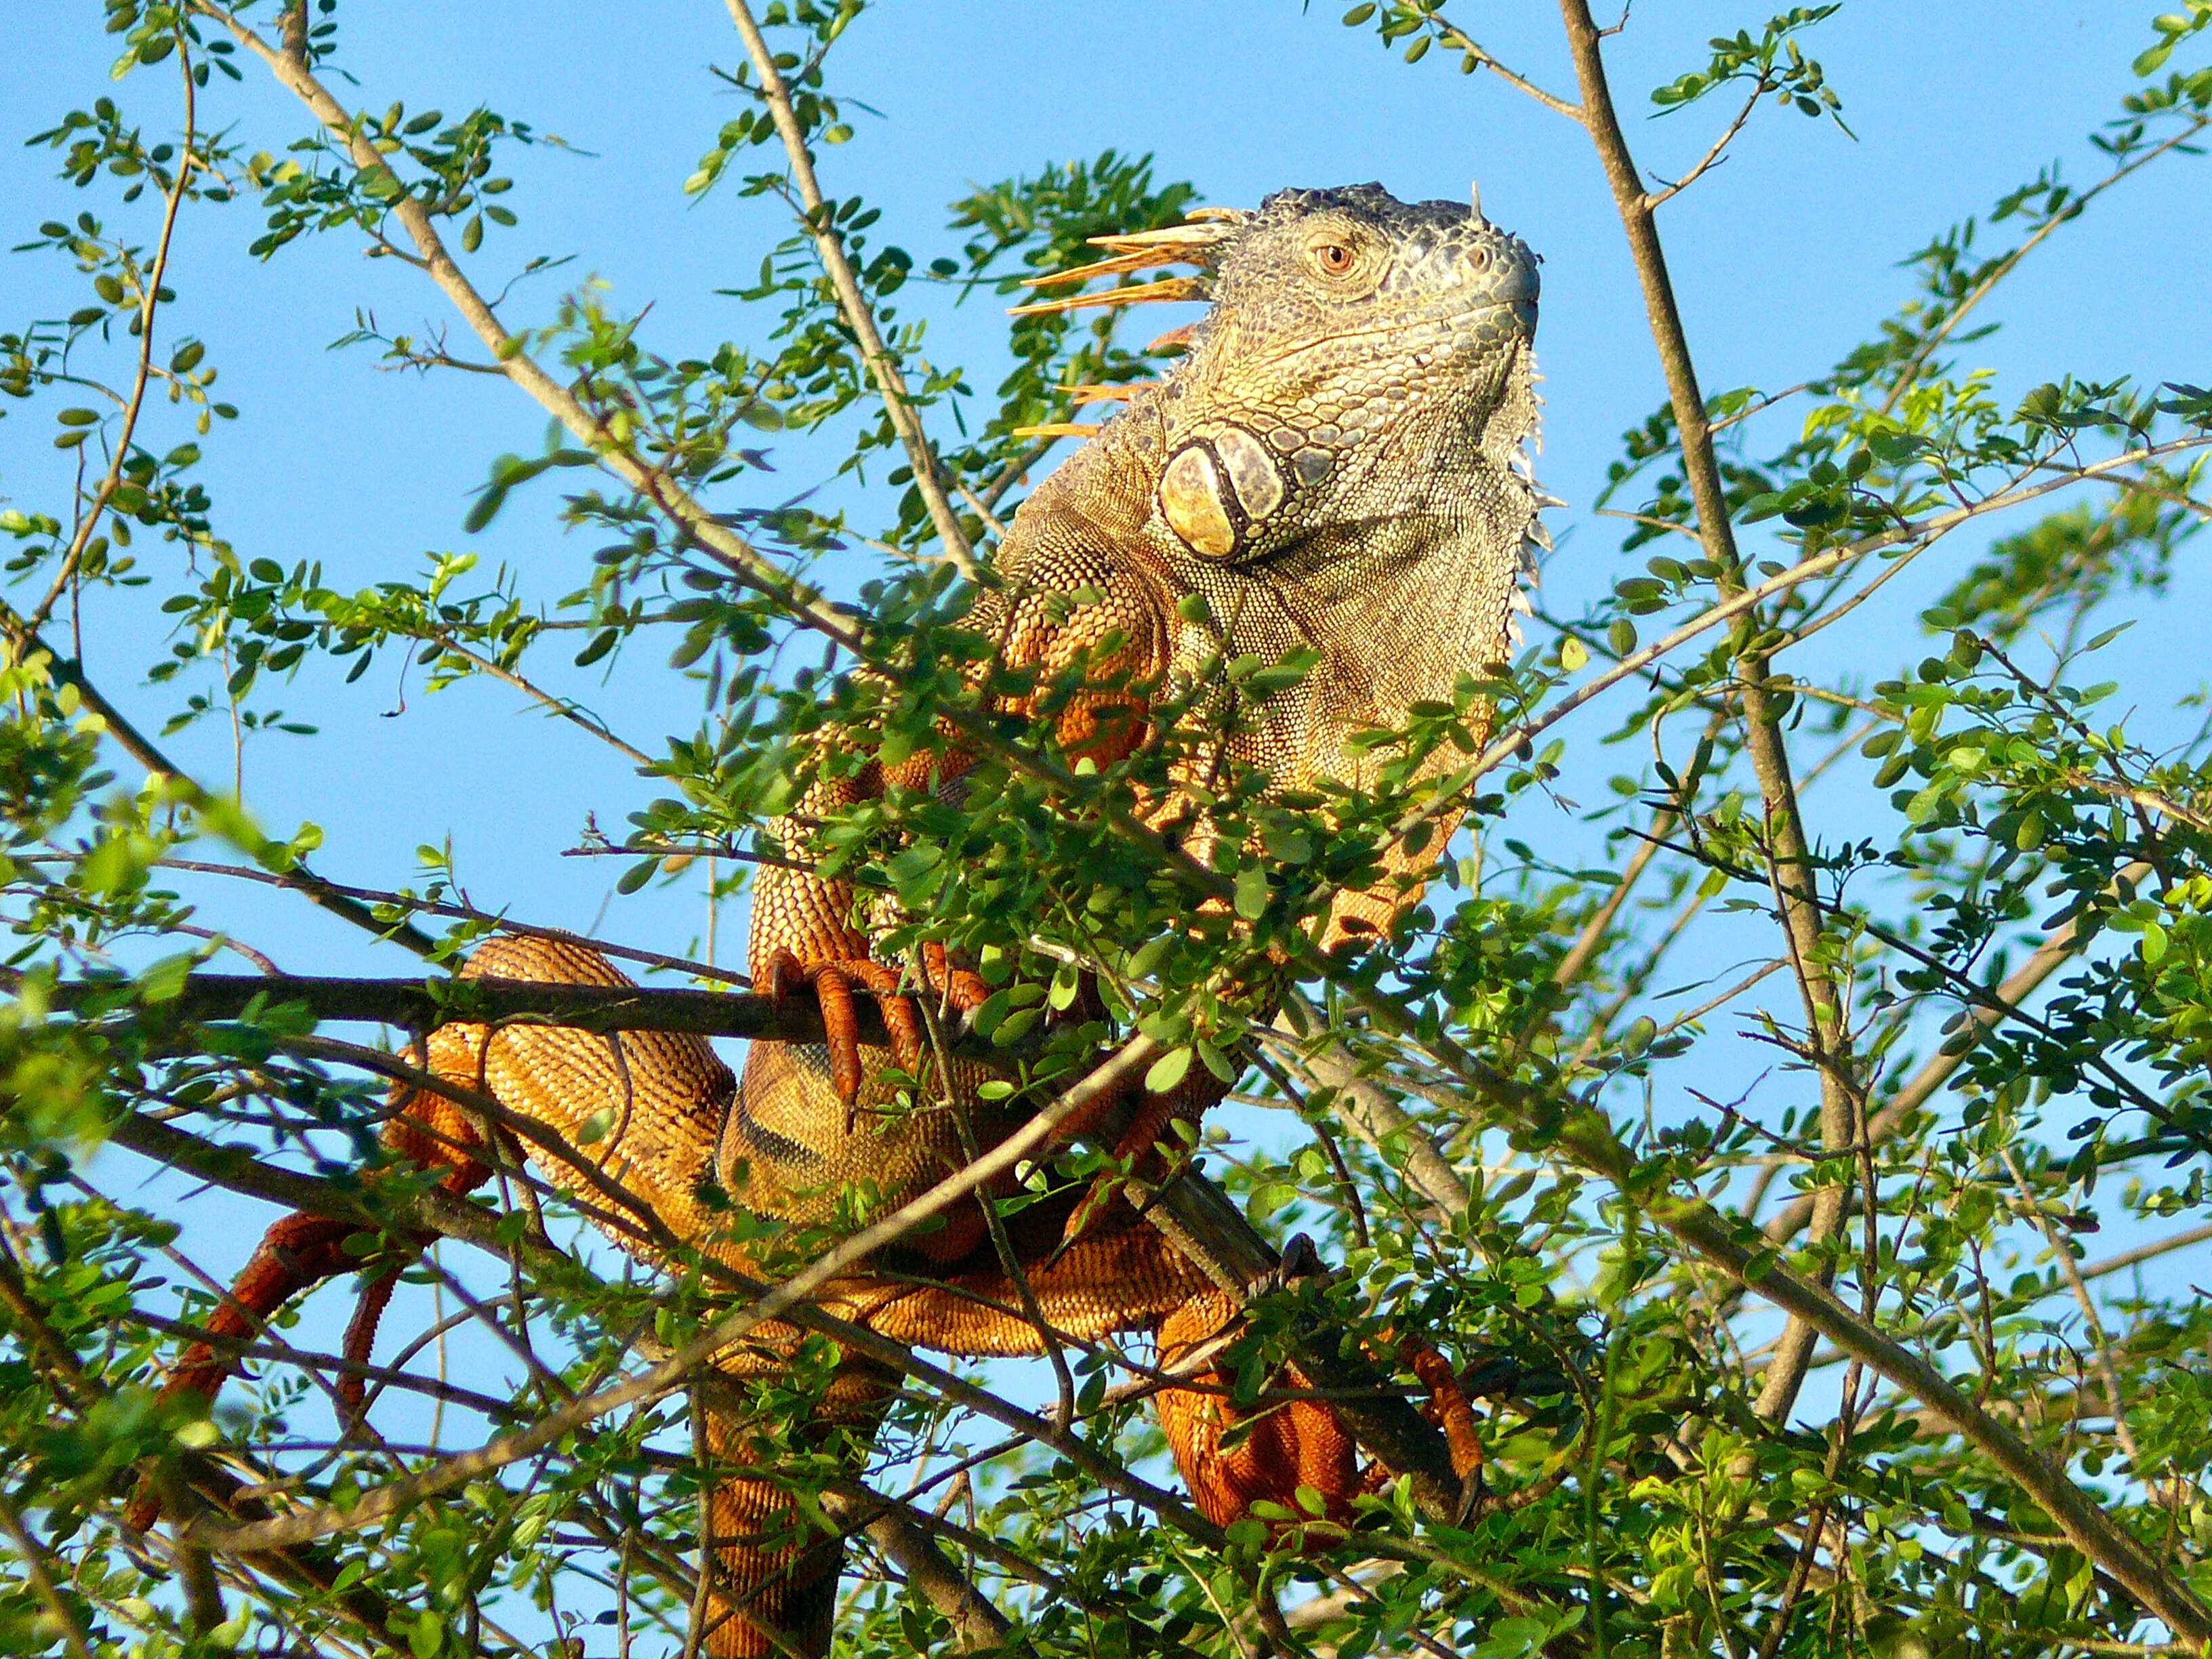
[1339, 467]
[1359, 350]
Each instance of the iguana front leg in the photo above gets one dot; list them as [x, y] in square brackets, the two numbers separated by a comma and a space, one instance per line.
[809, 929]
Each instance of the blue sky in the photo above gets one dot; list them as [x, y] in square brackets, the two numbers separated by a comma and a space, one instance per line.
[1783, 258]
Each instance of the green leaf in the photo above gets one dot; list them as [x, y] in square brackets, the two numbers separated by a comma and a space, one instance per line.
[486, 508]
[164, 981]
[1252, 892]
[1168, 1070]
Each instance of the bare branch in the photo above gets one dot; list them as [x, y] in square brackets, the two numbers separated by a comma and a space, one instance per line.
[1467, 43]
[561, 705]
[423, 1006]
[1820, 988]
[883, 368]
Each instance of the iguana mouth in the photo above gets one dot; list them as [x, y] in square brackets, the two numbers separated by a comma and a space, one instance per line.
[1524, 312]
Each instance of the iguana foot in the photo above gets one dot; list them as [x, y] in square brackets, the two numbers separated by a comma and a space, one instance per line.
[1448, 1408]
[1136, 1149]
[833, 983]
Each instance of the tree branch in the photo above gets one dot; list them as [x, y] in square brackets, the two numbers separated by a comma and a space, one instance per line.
[883, 368]
[1820, 983]
[892, 1528]
[737, 553]
[423, 1004]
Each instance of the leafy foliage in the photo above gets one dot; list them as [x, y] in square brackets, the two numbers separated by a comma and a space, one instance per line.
[1503, 1120]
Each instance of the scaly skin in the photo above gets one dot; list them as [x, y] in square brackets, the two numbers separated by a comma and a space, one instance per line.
[1338, 464]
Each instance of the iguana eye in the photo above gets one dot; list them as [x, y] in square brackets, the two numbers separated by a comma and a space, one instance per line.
[1333, 258]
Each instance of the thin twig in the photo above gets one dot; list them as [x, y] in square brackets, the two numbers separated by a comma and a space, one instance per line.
[1710, 159]
[2006, 266]
[35, 1556]
[150, 301]
[852, 302]
[2107, 1372]
[1551, 101]
[561, 705]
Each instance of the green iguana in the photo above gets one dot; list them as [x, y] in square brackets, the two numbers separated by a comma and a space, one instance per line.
[1338, 464]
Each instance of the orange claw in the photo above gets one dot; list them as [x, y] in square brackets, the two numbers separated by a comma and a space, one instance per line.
[833, 983]
[900, 1019]
[1448, 1407]
[962, 991]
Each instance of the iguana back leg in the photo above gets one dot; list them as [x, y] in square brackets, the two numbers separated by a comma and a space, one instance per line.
[1297, 1443]
[1292, 1445]
[773, 1573]
[1122, 1274]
